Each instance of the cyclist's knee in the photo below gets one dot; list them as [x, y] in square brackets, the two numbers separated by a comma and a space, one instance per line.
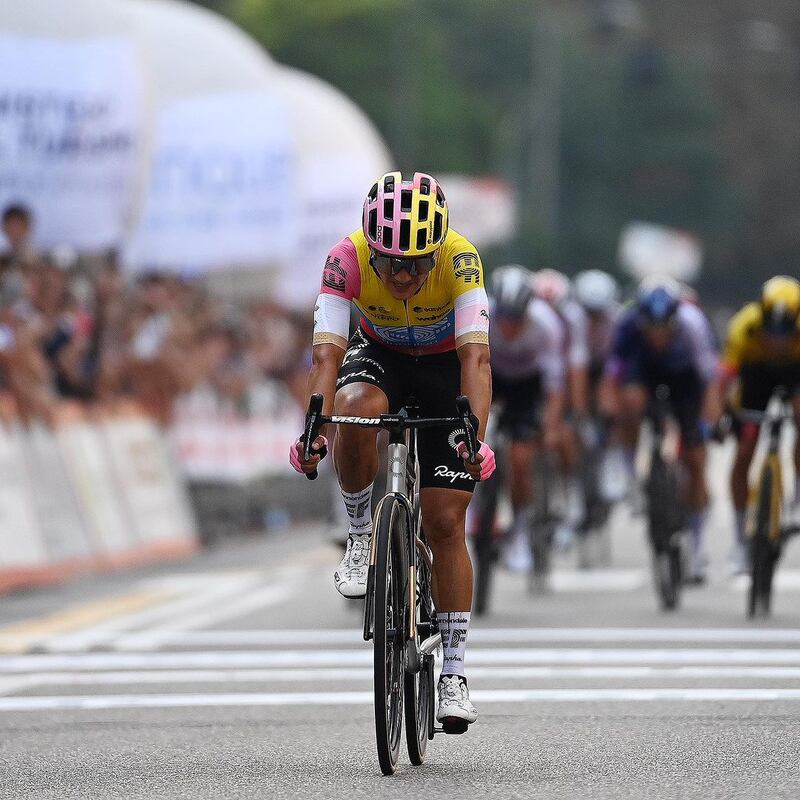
[444, 524]
[360, 400]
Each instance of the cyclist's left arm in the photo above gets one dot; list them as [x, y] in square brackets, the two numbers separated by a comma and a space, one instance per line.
[706, 359]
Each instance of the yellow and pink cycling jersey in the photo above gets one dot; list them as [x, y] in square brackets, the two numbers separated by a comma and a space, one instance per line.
[449, 310]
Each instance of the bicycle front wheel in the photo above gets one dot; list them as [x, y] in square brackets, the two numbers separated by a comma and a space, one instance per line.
[389, 636]
[762, 552]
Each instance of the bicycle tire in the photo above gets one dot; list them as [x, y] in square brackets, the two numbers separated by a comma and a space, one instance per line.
[390, 612]
[418, 689]
[761, 550]
[541, 526]
[663, 522]
[485, 545]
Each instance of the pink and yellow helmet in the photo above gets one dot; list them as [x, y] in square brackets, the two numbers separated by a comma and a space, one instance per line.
[403, 218]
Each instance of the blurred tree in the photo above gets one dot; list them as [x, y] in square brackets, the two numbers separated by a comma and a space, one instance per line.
[593, 130]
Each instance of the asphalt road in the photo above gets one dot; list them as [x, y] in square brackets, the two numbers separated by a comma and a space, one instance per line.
[241, 674]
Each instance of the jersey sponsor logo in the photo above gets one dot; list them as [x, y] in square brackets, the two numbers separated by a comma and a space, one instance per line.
[485, 314]
[431, 309]
[467, 267]
[429, 319]
[333, 275]
[417, 335]
[443, 471]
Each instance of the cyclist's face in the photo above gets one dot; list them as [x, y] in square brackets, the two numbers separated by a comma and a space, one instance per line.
[402, 285]
[778, 344]
[659, 336]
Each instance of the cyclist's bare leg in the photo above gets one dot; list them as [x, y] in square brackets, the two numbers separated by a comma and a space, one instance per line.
[745, 448]
[355, 452]
[444, 513]
[695, 460]
[520, 484]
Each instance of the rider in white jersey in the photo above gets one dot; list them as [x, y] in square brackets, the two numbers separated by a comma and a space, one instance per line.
[528, 377]
[554, 287]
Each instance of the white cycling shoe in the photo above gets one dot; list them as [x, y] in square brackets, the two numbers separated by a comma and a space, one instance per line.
[456, 711]
[351, 574]
[517, 555]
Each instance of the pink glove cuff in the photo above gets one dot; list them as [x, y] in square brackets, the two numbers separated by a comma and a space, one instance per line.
[487, 464]
[297, 448]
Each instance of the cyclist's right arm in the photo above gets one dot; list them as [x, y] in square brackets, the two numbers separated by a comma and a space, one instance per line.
[341, 279]
[341, 282]
[553, 368]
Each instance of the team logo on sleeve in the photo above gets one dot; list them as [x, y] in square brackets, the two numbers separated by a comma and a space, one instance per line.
[467, 267]
[333, 275]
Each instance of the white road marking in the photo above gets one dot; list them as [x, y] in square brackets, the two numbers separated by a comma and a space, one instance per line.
[254, 600]
[214, 593]
[363, 674]
[600, 580]
[477, 635]
[100, 702]
[785, 580]
[363, 657]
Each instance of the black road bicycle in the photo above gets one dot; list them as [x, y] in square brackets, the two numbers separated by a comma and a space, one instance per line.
[666, 515]
[399, 615]
[766, 535]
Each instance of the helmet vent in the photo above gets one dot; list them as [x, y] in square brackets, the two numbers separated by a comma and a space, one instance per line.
[424, 207]
[439, 197]
[421, 239]
[405, 200]
[388, 183]
[372, 224]
[437, 226]
[373, 193]
[387, 237]
[388, 209]
[424, 186]
[405, 233]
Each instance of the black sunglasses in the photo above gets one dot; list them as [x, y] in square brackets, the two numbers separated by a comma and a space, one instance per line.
[389, 265]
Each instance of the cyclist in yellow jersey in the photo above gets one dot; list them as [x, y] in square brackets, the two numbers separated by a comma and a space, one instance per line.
[424, 333]
[763, 349]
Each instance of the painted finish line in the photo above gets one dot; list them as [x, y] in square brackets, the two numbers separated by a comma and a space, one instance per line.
[100, 702]
[347, 636]
[362, 658]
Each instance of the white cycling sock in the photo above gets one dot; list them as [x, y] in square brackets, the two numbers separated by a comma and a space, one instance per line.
[522, 521]
[359, 510]
[454, 626]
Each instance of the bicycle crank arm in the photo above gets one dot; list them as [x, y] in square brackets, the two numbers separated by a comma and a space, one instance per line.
[431, 644]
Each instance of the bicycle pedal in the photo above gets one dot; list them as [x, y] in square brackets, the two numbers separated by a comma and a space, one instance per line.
[454, 725]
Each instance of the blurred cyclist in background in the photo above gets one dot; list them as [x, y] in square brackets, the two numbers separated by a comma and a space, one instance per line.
[526, 342]
[663, 340]
[598, 294]
[762, 348]
[554, 288]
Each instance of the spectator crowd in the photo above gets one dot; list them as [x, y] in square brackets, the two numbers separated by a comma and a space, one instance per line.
[78, 328]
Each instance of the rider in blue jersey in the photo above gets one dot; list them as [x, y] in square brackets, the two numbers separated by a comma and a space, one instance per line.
[664, 340]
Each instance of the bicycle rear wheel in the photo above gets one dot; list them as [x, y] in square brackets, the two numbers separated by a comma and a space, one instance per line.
[391, 575]
[418, 687]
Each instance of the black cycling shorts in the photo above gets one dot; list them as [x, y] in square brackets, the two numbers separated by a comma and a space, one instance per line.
[757, 382]
[433, 382]
[686, 392]
[521, 405]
